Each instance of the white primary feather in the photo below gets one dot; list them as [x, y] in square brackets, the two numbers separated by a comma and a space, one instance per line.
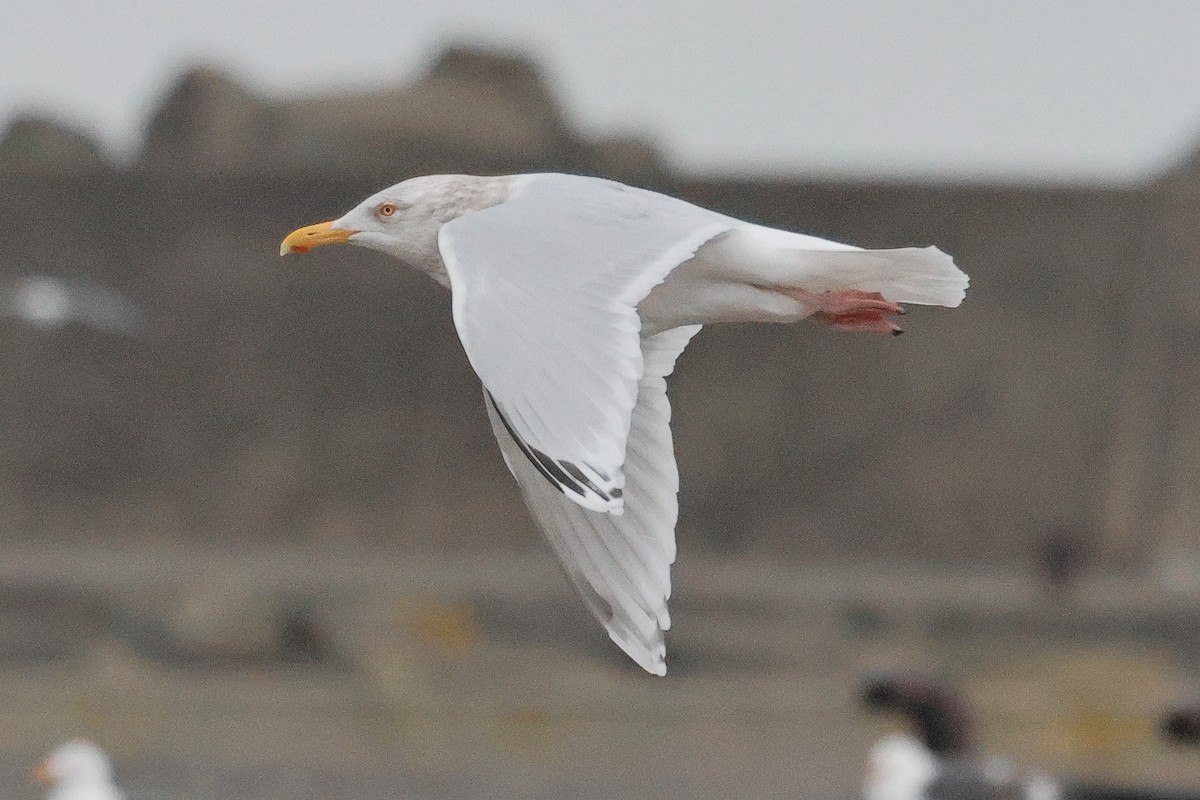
[546, 287]
[621, 565]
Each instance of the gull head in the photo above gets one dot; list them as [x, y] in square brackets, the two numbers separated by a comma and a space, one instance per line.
[377, 222]
[402, 220]
[77, 762]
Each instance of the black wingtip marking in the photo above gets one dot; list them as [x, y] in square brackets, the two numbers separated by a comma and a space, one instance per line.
[577, 473]
[551, 470]
[550, 466]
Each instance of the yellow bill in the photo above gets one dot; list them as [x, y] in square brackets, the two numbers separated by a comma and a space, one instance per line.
[304, 239]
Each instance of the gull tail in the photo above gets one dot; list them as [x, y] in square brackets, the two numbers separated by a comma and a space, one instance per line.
[917, 275]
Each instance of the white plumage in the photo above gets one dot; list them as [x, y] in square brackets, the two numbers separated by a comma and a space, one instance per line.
[78, 770]
[899, 768]
[49, 302]
[942, 762]
[573, 297]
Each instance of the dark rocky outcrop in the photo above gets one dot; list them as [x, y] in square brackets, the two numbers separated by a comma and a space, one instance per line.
[39, 145]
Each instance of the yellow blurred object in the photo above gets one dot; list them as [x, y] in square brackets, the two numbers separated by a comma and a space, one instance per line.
[529, 731]
[1096, 732]
[1088, 711]
[449, 628]
[42, 774]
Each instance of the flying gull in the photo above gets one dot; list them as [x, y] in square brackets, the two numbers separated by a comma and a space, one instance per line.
[573, 297]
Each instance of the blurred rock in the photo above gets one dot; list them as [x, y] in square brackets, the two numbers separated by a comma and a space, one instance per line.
[634, 159]
[208, 121]
[41, 145]
[473, 111]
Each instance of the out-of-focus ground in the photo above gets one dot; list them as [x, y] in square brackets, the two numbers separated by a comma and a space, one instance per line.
[309, 673]
[257, 540]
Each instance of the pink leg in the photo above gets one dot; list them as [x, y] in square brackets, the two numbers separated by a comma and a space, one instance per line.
[849, 309]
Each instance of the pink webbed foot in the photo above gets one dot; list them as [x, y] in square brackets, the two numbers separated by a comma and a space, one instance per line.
[849, 309]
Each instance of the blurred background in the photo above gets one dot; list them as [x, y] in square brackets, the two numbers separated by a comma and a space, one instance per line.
[256, 538]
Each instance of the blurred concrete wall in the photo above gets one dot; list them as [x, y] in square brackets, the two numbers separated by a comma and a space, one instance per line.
[328, 397]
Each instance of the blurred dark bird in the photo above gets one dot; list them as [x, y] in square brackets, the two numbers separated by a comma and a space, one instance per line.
[573, 298]
[302, 639]
[940, 717]
[1183, 725]
[1061, 554]
[77, 770]
[45, 301]
[941, 762]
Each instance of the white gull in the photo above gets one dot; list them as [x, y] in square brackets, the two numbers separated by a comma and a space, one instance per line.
[573, 297]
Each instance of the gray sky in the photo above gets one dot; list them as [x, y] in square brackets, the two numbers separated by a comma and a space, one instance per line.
[1057, 89]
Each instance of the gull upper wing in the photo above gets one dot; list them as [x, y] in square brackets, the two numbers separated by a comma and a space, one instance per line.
[545, 292]
[620, 564]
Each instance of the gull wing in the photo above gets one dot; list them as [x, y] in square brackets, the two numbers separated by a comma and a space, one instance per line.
[620, 564]
[545, 292]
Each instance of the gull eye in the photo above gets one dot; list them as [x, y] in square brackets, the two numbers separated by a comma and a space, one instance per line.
[386, 210]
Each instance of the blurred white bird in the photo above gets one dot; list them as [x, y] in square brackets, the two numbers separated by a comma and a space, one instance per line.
[77, 770]
[942, 763]
[49, 302]
[899, 768]
[573, 297]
